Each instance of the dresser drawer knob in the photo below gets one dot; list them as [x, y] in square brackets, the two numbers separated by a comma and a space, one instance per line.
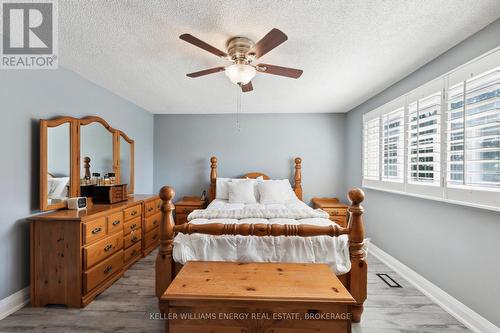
[133, 253]
[186, 210]
[150, 209]
[155, 236]
[155, 222]
[334, 212]
[96, 230]
[134, 213]
[108, 247]
[134, 239]
[108, 269]
[133, 226]
[115, 223]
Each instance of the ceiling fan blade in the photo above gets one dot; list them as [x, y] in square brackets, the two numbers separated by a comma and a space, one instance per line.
[206, 72]
[273, 38]
[202, 45]
[247, 87]
[278, 70]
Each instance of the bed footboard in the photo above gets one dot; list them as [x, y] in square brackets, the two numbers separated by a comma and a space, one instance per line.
[356, 278]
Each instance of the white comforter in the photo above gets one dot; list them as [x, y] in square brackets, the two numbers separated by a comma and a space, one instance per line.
[333, 251]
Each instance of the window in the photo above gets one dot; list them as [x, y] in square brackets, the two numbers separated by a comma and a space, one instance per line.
[393, 139]
[371, 144]
[474, 131]
[424, 140]
[441, 140]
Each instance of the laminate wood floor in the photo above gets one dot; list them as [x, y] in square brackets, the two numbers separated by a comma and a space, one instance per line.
[126, 307]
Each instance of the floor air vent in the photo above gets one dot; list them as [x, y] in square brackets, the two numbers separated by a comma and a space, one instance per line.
[389, 281]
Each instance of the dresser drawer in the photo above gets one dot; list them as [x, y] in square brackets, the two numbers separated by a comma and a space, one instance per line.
[132, 238]
[93, 277]
[132, 252]
[102, 249]
[185, 209]
[132, 225]
[132, 212]
[336, 211]
[115, 222]
[340, 220]
[180, 218]
[94, 230]
[152, 222]
[150, 208]
[151, 237]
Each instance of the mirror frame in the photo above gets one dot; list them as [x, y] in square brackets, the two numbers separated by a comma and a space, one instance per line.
[130, 187]
[74, 186]
[75, 137]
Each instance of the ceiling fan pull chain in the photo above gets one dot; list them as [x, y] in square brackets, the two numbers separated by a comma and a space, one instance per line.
[238, 110]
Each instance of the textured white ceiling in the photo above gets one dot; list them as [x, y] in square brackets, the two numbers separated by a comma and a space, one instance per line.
[349, 50]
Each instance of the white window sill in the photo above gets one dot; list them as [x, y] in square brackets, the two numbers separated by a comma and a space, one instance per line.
[428, 197]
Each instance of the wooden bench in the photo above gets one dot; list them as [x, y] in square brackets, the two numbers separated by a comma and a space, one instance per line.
[227, 297]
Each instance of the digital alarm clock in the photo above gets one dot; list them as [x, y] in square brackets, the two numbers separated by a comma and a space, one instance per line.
[77, 203]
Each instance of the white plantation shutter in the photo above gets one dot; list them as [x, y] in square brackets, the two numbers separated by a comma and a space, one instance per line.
[442, 140]
[474, 131]
[371, 149]
[424, 140]
[393, 145]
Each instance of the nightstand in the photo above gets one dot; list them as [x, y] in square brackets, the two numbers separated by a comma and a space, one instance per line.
[186, 206]
[336, 209]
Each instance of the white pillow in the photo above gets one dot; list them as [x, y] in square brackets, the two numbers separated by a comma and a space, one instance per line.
[241, 192]
[271, 193]
[286, 188]
[57, 187]
[221, 191]
[250, 180]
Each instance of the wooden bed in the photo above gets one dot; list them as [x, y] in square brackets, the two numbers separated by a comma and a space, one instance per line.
[355, 280]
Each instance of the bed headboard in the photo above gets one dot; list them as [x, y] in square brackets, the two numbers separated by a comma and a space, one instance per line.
[297, 186]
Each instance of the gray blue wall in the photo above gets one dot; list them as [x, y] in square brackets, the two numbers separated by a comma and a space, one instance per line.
[266, 143]
[27, 96]
[434, 238]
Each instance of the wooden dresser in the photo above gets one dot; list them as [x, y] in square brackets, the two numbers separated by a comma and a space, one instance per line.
[76, 255]
[186, 206]
[336, 209]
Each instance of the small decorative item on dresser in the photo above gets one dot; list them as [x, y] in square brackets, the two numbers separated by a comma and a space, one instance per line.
[110, 194]
[186, 206]
[336, 209]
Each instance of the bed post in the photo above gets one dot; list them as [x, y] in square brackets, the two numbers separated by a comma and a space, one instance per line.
[213, 178]
[164, 261]
[359, 268]
[297, 186]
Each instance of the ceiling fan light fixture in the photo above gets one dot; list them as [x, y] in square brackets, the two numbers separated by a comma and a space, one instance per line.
[240, 73]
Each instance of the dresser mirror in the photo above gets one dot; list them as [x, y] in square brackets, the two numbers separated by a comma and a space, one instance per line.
[74, 152]
[96, 150]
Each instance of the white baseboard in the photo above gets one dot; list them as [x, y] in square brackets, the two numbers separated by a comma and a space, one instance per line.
[14, 302]
[460, 311]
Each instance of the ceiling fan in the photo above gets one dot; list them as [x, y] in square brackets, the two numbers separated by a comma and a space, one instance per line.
[242, 52]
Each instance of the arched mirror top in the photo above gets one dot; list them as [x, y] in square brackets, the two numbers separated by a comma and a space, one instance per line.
[94, 119]
[125, 137]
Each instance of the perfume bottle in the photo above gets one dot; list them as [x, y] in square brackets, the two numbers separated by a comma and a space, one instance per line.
[112, 178]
